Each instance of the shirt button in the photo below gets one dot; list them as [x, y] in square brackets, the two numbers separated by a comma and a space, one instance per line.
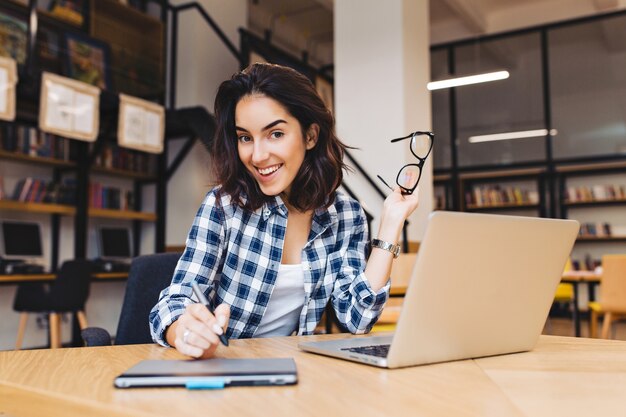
[267, 212]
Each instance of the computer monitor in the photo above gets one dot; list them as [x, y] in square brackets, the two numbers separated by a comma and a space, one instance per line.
[21, 239]
[115, 243]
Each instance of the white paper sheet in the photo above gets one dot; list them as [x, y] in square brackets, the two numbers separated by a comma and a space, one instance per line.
[153, 130]
[134, 124]
[59, 107]
[83, 113]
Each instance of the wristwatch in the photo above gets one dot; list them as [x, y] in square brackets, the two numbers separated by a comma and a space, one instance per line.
[381, 244]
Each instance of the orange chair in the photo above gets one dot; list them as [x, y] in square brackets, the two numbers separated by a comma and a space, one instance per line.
[613, 304]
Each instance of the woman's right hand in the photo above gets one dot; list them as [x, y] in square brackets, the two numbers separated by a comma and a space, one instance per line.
[195, 333]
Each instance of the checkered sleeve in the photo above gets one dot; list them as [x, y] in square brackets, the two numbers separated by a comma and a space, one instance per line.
[356, 305]
[199, 262]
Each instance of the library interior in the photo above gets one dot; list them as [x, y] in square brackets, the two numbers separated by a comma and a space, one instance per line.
[506, 286]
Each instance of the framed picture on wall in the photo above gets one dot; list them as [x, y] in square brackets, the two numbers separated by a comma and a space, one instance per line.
[141, 124]
[69, 108]
[8, 80]
[13, 38]
[88, 60]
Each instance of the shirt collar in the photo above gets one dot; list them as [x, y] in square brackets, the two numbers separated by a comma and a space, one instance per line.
[322, 218]
[271, 206]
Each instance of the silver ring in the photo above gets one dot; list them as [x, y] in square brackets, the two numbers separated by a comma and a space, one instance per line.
[186, 335]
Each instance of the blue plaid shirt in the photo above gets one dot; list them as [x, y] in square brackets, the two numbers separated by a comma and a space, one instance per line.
[234, 255]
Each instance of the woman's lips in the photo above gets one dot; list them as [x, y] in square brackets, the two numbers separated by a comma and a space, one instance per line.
[269, 170]
[268, 173]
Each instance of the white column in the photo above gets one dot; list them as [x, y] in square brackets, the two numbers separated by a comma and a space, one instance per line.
[382, 65]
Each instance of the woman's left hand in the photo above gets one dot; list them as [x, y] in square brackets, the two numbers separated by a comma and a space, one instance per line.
[398, 207]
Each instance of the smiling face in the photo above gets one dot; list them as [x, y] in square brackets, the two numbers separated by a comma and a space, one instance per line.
[270, 143]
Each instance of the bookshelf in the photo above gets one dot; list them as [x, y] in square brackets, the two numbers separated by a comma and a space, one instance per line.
[37, 160]
[504, 191]
[443, 189]
[133, 42]
[47, 208]
[595, 195]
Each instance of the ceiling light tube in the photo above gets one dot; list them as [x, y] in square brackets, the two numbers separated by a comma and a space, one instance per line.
[471, 79]
[512, 135]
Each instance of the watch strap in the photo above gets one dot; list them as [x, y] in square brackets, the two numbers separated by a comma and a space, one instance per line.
[381, 244]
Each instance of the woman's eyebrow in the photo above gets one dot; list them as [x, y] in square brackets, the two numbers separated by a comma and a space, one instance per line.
[269, 126]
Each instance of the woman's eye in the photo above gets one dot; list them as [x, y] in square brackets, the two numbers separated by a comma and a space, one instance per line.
[277, 135]
[243, 138]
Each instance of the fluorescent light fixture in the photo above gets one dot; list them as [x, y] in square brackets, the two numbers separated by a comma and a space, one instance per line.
[512, 135]
[471, 79]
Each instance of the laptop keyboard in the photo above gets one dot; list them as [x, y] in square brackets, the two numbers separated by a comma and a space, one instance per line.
[374, 350]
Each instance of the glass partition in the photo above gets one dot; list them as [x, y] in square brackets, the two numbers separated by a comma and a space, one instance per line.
[588, 88]
[511, 105]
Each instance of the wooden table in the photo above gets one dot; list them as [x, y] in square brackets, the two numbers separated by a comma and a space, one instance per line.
[562, 376]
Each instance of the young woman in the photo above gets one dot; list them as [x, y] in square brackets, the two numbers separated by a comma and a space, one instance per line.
[275, 241]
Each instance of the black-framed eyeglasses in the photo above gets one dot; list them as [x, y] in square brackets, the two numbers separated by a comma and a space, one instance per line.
[409, 176]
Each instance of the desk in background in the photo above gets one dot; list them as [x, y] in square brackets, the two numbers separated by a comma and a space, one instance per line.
[562, 376]
[46, 278]
[576, 278]
[18, 278]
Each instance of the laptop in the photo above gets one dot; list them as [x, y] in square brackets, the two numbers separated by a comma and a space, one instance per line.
[482, 285]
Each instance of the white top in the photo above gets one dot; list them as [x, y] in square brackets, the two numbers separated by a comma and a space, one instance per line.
[283, 309]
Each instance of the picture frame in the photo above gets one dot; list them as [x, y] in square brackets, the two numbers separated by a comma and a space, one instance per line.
[141, 124]
[88, 60]
[13, 37]
[69, 108]
[8, 81]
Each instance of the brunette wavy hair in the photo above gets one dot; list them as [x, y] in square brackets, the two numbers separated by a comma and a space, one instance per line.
[322, 169]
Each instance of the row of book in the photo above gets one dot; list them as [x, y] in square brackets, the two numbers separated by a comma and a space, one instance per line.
[596, 193]
[114, 157]
[35, 190]
[101, 196]
[31, 141]
[595, 230]
[27, 140]
[493, 195]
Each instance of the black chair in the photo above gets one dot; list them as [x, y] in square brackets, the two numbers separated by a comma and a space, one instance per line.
[67, 294]
[148, 275]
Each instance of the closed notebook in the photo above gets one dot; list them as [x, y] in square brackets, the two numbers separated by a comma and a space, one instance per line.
[209, 373]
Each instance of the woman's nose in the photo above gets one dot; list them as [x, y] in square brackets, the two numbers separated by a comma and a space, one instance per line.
[259, 152]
